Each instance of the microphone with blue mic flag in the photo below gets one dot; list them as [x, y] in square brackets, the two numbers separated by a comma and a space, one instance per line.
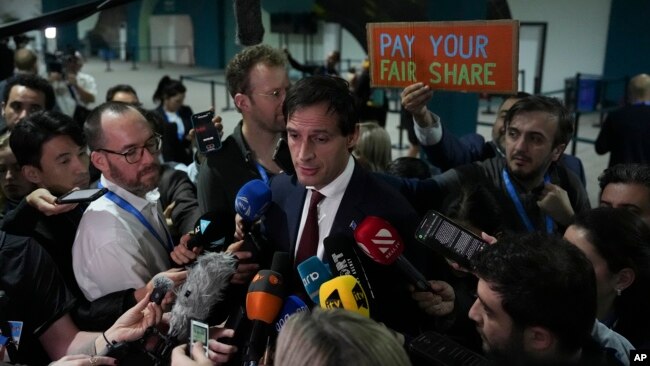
[210, 231]
[292, 305]
[252, 201]
[313, 273]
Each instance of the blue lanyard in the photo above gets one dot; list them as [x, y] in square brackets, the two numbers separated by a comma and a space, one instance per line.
[520, 207]
[265, 177]
[138, 215]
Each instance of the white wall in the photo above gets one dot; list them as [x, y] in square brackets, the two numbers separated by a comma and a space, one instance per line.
[576, 36]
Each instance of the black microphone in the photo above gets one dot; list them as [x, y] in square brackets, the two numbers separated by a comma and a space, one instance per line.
[210, 231]
[202, 289]
[248, 18]
[342, 258]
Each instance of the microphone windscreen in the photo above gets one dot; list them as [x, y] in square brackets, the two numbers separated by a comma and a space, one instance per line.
[161, 285]
[313, 274]
[252, 200]
[344, 292]
[293, 304]
[264, 297]
[210, 231]
[379, 240]
[202, 289]
[248, 16]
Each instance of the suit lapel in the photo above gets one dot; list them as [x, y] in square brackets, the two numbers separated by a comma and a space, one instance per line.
[294, 212]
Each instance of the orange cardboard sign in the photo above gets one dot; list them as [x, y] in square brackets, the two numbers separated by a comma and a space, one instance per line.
[479, 55]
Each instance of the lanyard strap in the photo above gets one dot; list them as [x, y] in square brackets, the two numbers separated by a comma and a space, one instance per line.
[520, 207]
[265, 177]
[125, 205]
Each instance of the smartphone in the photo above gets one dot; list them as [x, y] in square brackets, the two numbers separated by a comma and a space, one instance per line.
[199, 332]
[282, 156]
[207, 136]
[448, 238]
[82, 195]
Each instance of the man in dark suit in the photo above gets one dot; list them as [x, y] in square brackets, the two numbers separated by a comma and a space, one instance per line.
[322, 130]
[625, 131]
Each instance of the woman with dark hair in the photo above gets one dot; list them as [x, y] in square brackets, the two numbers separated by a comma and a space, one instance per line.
[617, 242]
[177, 145]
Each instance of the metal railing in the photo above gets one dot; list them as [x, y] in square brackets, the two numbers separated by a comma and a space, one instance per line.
[113, 51]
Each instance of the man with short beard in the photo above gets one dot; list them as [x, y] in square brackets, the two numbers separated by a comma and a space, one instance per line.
[536, 303]
[122, 240]
[536, 193]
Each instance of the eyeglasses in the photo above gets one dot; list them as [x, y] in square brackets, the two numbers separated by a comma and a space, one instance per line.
[275, 94]
[134, 154]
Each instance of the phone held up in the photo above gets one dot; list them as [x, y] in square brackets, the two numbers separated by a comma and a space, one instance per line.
[449, 239]
[207, 135]
[199, 332]
[81, 195]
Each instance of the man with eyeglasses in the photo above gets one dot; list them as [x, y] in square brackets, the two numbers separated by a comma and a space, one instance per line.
[257, 81]
[122, 241]
[25, 94]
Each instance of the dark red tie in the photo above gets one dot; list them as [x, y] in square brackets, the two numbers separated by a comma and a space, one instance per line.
[308, 245]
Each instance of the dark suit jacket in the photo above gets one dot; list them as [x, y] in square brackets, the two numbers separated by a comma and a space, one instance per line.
[175, 186]
[364, 196]
[452, 152]
[625, 133]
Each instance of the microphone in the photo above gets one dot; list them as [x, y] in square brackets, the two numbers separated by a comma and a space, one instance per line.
[251, 202]
[344, 292]
[382, 243]
[248, 18]
[209, 231]
[161, 284]
[344, 260]
[263, 304]
[313, 274]
[293, 304]
[202, 289]
[282, 263]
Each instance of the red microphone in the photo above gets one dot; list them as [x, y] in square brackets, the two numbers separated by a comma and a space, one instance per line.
[382, 243]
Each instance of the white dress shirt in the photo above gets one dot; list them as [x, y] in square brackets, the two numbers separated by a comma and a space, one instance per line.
[328, 206]
[113, 250]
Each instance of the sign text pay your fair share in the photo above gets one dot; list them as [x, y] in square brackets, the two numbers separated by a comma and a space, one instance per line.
[450, 45]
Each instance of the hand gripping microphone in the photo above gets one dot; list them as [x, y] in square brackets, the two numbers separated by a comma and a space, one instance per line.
[382, 243]
[263, 304]
[252, 201]
[202, 289]
[344, 292]
[209, 231]
[292, 305]
[313, 274]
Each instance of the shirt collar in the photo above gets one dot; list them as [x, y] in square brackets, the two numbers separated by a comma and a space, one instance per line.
[339, 184]
[138, 202]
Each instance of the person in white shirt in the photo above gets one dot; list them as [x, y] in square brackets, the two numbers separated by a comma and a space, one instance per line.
[73, 87]
[122, 240]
